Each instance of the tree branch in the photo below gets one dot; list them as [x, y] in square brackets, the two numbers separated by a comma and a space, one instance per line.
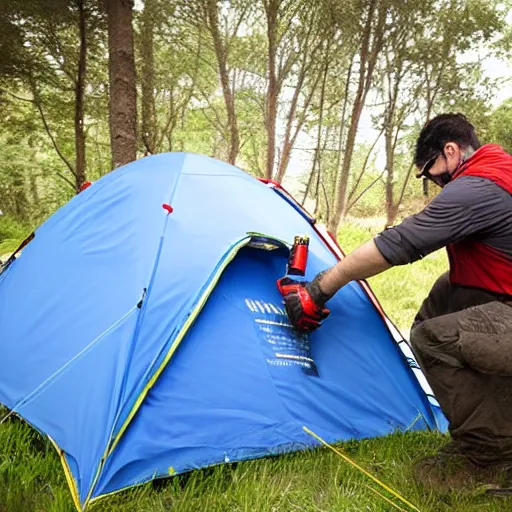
[171, 121]
[237, 26]
[404, 184]
[364, 192]
[219, 125]
[365, 165]
[21, 98]
[52, 138]
[69, 182]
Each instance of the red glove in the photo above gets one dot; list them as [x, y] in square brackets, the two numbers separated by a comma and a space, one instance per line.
[301, 304]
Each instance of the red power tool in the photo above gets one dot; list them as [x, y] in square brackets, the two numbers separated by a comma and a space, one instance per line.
[298, 256]
[304, 313]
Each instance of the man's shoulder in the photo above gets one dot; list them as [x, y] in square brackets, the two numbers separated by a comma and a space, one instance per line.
[470, 182]
[468, 189]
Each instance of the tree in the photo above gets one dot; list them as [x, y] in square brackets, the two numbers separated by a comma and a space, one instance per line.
[399, 88]
[499, 124]
[123, 93]
[317, 154]
[149, 121]
[424, 73]
[222, 22]
[371, 36]
[54, 65]
[80, 177]
[272, 10]
[176, 67]
[306, 71]
[295, 38]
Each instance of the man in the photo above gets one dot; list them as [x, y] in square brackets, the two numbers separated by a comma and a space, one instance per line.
[462, 334]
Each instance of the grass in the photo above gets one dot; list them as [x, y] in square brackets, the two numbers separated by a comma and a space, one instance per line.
[31, 478]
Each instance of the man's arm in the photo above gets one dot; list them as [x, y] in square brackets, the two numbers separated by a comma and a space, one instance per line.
[464, 207]
[304, 303]
[364, 262]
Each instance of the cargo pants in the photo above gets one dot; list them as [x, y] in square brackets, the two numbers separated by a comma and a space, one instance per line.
[462, 339]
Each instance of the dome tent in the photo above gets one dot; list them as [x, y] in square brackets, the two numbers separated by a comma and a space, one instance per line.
[142, 331]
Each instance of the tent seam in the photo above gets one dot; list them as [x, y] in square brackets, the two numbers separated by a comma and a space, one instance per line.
[48, 381]
[132, 344]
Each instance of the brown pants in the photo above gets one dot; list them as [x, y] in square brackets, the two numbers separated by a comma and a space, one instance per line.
[462, 339]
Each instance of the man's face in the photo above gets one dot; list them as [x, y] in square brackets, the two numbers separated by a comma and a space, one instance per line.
[440, 168]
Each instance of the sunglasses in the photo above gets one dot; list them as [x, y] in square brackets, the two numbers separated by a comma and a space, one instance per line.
[441, 179]
[425, 170]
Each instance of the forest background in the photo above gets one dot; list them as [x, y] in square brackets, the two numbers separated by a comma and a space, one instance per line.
[326, 97]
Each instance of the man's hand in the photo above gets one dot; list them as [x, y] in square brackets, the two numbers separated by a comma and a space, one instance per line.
[304, 304]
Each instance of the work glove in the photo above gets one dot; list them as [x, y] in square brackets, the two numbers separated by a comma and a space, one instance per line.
[304, 303]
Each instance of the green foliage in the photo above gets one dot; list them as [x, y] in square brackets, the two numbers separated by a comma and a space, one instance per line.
[38, 44]
[12, 233]
[30, 186]
[500, 126]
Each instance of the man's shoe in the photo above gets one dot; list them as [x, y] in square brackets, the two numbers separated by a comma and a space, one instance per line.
[451, 448]
[453, 471]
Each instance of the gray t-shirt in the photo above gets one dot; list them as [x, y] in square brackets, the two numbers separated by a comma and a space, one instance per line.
[468, 207]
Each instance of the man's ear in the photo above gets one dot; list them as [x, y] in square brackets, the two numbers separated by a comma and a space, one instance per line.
[450, 149]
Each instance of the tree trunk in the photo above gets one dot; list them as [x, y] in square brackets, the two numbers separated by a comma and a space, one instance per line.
[173, 120]
[367, 58]
[316, 156]
[342, 185]
[341, 135]
[123, 93]
[391, 209]
[272, 90]
[322, 209]
[229, 97]
[32, 179]
[79, 101]
[34, 192]
[148, 77]
[289, 139]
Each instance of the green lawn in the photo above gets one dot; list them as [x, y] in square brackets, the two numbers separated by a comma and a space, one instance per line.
[31, 478]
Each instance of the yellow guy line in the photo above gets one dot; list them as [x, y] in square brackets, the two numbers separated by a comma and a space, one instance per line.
[69, 476]
[385, 498]
[369, 475]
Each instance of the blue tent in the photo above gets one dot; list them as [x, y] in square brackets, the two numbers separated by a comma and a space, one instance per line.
[142, 331]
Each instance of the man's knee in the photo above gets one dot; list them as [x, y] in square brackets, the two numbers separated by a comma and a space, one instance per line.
[486, 339]
[419, 338]
[488, 354]
[437, 338]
